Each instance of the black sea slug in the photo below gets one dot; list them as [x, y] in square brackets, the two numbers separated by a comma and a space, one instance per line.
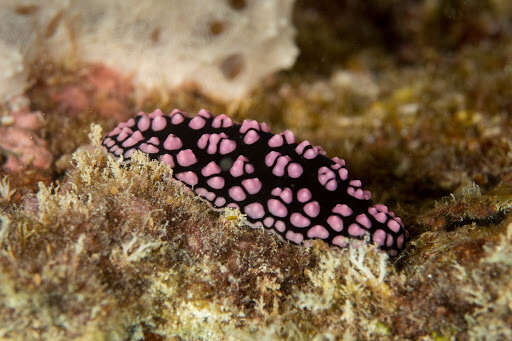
[278, 183]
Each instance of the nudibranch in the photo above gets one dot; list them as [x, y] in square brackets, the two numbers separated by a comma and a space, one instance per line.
[292, 188]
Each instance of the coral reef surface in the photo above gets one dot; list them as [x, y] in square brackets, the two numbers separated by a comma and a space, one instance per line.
[415, 95]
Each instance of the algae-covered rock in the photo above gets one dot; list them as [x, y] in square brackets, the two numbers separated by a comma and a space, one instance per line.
[120, 252]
